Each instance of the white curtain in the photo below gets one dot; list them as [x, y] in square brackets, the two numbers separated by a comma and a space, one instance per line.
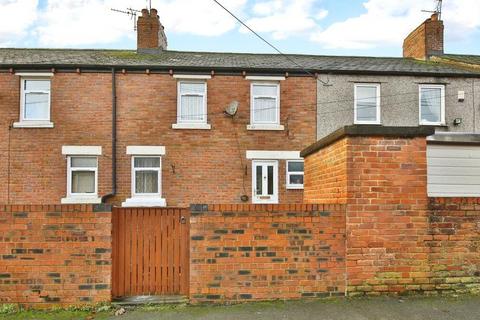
[265, 103]
[192, 102]
[83, 182]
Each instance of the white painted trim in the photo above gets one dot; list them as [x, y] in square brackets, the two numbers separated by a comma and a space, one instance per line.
[81, 200]
[265, 127]
[158, 170]
[265, 78]
[378, 110]
[442, 106]
[22, 98]
[288, 174]
[192, 126]
[70, 170]
[146, 150]
[34, 124]
[82, 150]
[273, 155]
[192, 76]
[180, 94]
[34, 74]
[144, 202]
[274, 198]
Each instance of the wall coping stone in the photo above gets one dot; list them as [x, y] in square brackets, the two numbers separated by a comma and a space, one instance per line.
[368, 131]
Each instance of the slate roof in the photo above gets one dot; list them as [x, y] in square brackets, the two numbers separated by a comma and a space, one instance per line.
[462, 58]
[36, 58]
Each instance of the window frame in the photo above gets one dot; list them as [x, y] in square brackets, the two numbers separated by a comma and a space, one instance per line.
[289, 185]
[23, 93]
[378, 107]
[134, 180]
[252, 102]
[179, 101]
[442, 87]
[70, 171]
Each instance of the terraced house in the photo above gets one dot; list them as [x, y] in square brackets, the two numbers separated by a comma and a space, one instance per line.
[149, 128]
[233, 177]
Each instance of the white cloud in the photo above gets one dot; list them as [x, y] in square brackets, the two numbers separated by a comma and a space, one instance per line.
[16, 16]
[199, 17]
[284, 18]
[388, 22]
[66, 23]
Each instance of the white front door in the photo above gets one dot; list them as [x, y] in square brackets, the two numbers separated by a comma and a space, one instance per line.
[265, 181]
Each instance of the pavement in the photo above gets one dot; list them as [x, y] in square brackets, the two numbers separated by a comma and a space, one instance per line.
[381, 308]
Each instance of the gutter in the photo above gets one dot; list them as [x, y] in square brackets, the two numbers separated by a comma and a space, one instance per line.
[114, 140]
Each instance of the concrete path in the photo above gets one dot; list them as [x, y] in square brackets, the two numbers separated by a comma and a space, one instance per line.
[357, 309]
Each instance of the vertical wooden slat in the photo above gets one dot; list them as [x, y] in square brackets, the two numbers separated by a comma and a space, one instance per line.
[114, 255]
[164, 251]
[176, 252]
[186, 253]
[133, 253]
[158, 246]
[127, 249]
[121, 243]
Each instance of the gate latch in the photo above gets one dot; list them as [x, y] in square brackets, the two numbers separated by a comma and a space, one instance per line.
[183, 220]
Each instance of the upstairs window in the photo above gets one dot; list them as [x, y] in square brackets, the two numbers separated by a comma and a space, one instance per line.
[265, 104]
[35, 97]
[295, 174]
[367, 104]
[432, 104]
[192, 102]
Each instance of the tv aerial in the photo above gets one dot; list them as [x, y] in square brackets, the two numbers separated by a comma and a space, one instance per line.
[132, 13]
[438, 9]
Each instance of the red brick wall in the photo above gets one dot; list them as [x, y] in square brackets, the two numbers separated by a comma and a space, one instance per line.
[81, 112]
[455, 244]
[54, 255]
[199, 167]
[248, 252]
[387, 219]
[326, 175]
[207, 164]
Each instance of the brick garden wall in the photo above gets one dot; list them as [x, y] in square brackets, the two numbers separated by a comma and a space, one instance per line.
[454, 249]
[54, 255]
[248, 252]
[397, 240]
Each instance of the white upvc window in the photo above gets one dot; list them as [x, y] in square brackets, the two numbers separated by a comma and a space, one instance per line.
[367, 103]
[295, 174]
[146, 178]
[192, 105]
[82, 174]
[265, 106]
[432, 104]
[35, 101]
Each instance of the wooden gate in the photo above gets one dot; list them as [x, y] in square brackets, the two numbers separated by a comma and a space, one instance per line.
[150, 252]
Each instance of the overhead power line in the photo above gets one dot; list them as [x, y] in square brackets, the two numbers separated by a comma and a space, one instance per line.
[269, 43]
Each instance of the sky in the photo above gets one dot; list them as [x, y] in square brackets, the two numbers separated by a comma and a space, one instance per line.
[323, 27]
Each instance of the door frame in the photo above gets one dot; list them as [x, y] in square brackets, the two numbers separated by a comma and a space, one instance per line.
[275, 197]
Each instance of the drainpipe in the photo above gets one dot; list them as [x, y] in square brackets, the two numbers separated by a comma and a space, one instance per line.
[114, 140]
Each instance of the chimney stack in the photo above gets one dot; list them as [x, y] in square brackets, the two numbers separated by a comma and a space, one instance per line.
[151, 36]
[426, 40]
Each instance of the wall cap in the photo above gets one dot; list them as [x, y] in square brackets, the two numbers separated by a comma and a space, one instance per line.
[367, 131]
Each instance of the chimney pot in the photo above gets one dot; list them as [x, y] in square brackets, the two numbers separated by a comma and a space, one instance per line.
[151, 36]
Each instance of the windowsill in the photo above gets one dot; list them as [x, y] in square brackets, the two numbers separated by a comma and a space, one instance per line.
[82, 200]
[368, 123]
[440, 125]
[192, 126]
[266, 127]
[34, 124]
[144, 202]
[295, 187]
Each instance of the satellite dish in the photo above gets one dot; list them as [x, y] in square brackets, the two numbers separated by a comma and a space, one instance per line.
[232, 109]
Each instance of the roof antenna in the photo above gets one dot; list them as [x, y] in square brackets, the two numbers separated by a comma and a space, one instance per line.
[131, 13]
[438, 9]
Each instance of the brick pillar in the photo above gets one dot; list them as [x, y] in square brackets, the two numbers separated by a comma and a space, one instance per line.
[383, 180]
